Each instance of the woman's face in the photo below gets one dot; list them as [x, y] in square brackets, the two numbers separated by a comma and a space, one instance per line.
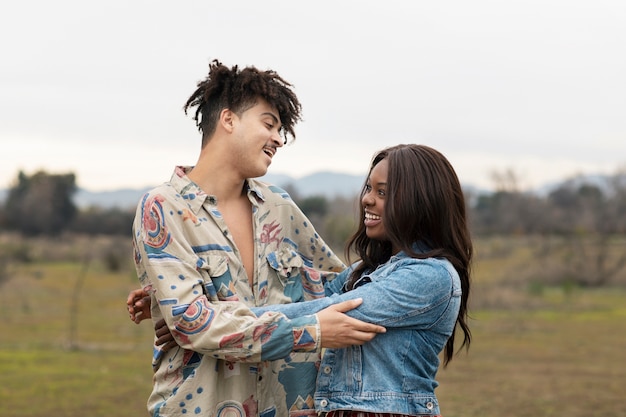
[373, 202]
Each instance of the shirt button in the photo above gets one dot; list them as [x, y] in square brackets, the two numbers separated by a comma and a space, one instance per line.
[327, 369]
[429, 405]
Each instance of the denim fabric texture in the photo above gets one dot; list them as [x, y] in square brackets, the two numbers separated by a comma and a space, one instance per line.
[417, 300]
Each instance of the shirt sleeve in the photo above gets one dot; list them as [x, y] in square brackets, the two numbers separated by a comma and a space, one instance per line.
[315, 252]
[224, 329]
[294, 310]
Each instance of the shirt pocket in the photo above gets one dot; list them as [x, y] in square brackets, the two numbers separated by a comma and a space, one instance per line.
[287, 265]
[286, 262]
[218, 285]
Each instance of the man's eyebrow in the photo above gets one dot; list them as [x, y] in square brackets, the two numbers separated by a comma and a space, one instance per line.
[272, 115]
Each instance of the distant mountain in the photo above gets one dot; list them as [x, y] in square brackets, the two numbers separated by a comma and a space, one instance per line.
[122, 198]
[328, 184]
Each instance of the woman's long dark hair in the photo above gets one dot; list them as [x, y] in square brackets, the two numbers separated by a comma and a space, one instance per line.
[424, 202]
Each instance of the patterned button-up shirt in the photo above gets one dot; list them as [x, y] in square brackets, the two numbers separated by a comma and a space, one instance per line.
[230, 362]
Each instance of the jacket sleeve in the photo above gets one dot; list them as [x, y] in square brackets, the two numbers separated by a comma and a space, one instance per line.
[413, 294]
[225, 330]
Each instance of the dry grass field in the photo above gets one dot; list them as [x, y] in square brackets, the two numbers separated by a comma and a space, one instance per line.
[549, 351]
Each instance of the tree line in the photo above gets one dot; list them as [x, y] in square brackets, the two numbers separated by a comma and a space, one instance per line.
[42, 205]
[579, 227]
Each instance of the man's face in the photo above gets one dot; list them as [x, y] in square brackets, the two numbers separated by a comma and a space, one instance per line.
[256, 135]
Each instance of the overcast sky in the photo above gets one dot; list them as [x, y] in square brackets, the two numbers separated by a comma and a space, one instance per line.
[97, 87]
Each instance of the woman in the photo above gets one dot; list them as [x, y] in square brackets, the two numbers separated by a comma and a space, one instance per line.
[413, 274]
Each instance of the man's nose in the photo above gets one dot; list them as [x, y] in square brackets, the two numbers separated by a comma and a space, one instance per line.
[277, 139]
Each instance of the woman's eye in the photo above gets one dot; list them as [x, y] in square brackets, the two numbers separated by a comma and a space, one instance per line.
[381, 193]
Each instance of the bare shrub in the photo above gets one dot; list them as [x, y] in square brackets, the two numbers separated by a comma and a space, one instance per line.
[586, 260]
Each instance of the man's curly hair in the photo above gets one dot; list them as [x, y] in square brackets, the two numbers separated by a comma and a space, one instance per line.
[239, 90]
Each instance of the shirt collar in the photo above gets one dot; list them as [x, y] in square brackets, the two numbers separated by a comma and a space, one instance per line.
[194, 195]
[253, 186]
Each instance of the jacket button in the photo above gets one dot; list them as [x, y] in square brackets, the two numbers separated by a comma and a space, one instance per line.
[324, 403]
[327, 369]
[429, 405]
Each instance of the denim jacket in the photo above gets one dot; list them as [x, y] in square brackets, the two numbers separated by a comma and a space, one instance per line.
[417, 300]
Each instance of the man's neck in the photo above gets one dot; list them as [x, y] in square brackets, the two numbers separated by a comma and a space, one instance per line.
[225, 185]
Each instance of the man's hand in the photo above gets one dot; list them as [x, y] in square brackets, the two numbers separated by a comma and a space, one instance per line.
[340, 330]
[138, 303]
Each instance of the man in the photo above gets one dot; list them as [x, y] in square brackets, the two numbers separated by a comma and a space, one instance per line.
[213, 241]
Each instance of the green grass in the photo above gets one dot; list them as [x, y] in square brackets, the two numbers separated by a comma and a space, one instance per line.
[562, 362]
[57, 382]
[102, 370]
[551, 352]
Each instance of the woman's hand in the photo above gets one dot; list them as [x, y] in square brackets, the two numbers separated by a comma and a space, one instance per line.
[138, 304]
[164, 336]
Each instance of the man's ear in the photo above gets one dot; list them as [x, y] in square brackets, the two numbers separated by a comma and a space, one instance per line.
[227, 120]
